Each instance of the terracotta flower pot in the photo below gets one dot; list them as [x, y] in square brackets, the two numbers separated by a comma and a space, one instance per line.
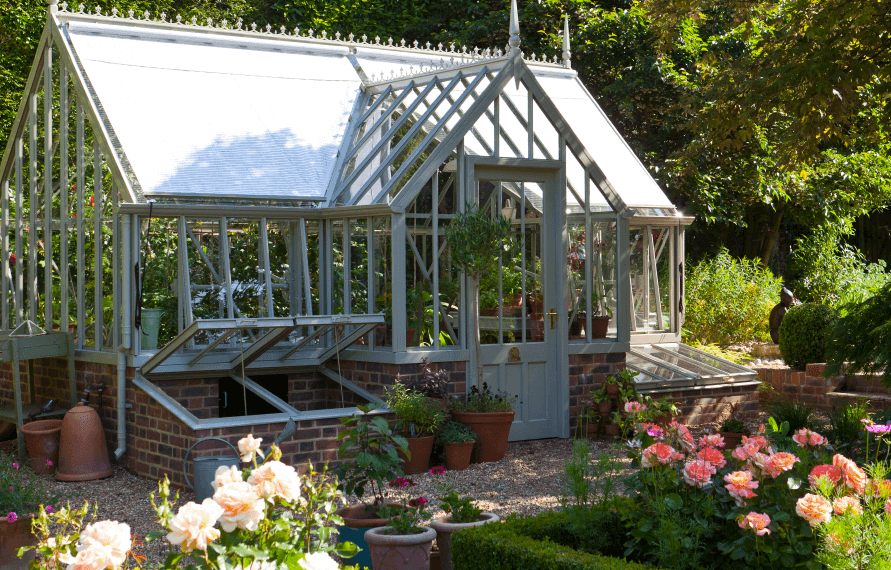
[605, 408]
[612, 389]
[356, 522]
[457, 455]
[444, 529]
[731, 438]
[14, 535]
[492, 430]
[664, 419]
[611, 430]
[42, 440]
[399, 551]
[420, 448]
[599, 326]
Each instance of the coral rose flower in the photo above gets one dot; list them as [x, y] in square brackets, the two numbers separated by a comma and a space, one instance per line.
[888, 507]
[248, 447]
[193, 526]
[698, 473]
[779, 463]
[112, 536]
[659, 453]
[318, 561]
[745, 451]
[740, 485]
[686, 439]
[243, 508]
[831, 472]
[807, 438]
[757, 522]
[226, 475]
[275, 479]
[713, 456]
[712, 440]
[758, 440]
[814, 509]
[844, 504]
[854, 477]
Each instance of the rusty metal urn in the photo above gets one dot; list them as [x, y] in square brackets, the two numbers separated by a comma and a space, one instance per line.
[83, 453]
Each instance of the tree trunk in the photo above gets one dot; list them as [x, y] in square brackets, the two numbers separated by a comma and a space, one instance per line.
[763, 227]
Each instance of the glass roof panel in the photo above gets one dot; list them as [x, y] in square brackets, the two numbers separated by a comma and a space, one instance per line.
[672, 362]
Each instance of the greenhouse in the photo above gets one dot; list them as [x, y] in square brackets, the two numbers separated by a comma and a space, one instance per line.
[271, 205]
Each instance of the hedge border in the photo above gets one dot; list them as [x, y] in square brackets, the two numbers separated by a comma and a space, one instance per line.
[528, 543]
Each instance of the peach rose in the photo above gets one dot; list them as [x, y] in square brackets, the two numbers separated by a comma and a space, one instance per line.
[831, 472]
[248, 447]
[814, 509]
[757, 522]
[854, 477]
[243, 508]
[758, 440]
[807, 438]
[659, 453]
[844, 504]
[698, 473]
[275, 479]
[888, 507]
[745, 451]
[92, 558]
[110, 535]
[685, 439]
[779, 463]
[740, 485]
[713, 456]
[713, 440]
[193, 526]
[226, 475]
[318, 561]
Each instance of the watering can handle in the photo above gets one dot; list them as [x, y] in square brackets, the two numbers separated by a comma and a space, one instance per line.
[186, 458]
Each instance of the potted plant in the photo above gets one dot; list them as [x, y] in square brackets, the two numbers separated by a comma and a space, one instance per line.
[733, 429]
[664, 411]
[460, 513]
[611, 385]
[600, 320]
[457, 441]
[22, 494]
[433, 385]
[403, 544]
[369, 451]
[603, 401]
[418, 418]
[490, 416]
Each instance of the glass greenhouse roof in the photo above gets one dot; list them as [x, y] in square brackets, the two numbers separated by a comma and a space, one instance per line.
[680, 365]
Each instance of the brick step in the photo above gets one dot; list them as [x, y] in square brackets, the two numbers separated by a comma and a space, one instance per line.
[877, 400]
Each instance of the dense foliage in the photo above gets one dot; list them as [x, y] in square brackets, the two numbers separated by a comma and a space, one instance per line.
[729, 300]
[805, 334]
[861, 339]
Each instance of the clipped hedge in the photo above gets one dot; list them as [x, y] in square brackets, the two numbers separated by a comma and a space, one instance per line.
[805, 334]
[542, 542]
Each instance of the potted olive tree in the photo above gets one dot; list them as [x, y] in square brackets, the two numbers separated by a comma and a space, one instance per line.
[418, 417]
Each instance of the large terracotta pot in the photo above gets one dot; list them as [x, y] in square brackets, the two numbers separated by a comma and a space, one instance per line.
[492, 430]
[420, 449]
[457, 455]
[83, 453]
[42, 440]
[444, 529]
[356, 522]
[399, 551]
[599, 326]
[14, 535]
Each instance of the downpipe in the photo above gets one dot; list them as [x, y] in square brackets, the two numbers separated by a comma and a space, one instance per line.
[126, 335]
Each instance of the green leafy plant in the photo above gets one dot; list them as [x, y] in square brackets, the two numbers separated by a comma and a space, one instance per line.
[845, 423]
[22, 492]
[370, 453]
[861, 339]
[805, 334]
[453, 432]
[729, 300]
[462, 509]
[406, 517]
[782, 408]
[484, 401]
[416, 414]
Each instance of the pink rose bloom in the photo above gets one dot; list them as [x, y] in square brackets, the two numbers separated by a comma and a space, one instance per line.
[93, 558]
[634, 407]
[831, 472]
[193, 526]
[844, 504]
[112, 536]
[888, 507]
[686, 439]
[779, 463]
[698, 473]
[226, 475]
[757, 522]
[713, 456]
[758, 440]
[248, 447]
[854, 477]
[659, 453]
[243, 508]
[275, 479]
[740, 485]
[12, 517]
[814, 509]
[745, 451]
[807, 438]
[758, 462]
[712, 440]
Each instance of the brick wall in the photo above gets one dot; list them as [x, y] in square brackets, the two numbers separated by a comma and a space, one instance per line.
[587, 373]
[806, 385]
[700, 405]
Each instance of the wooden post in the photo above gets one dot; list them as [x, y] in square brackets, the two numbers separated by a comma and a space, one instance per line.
[4, 254]
[63, 197]
[267, 269]
[227, 273]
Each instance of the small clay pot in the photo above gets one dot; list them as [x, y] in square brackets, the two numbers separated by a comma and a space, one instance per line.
[611, 430]
[457, 455]
[612, 389]
[605, 408]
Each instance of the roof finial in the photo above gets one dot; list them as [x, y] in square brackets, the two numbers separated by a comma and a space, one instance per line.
[514, 41]
[53, 6]
[566, 53]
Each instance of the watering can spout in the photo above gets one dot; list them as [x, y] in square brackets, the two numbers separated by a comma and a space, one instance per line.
[290, 429]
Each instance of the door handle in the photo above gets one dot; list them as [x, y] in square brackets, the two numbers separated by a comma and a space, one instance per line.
[553, 315]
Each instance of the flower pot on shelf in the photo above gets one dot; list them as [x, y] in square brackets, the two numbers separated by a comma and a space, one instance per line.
[14, 535]
[42, 440]
[444, 529]
[492, 430]
[356, 522]
[599, 326]
[420, 449]
[399, 551]
[457, 455]
[611, 429]
[664, 419]
[604, 408]
[612, 389]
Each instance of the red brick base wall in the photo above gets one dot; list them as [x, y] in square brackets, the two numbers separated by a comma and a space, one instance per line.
[707, 404]
[806, 385]
[587, 373]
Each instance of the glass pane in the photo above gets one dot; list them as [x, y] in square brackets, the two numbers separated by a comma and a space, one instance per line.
[533, 241]
[359, 266]
[383, 280]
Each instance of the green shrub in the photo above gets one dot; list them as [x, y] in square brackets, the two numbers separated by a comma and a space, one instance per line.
[782, 408]
[805, 334]
[729, 300]
[542, 542]
[861, 339]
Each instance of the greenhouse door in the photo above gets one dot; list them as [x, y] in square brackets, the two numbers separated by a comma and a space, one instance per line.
[518, 306]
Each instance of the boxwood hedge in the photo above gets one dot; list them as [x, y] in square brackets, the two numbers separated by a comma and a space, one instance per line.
[542, 542]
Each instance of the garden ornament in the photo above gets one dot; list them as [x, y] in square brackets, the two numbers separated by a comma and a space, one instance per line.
[787, 299]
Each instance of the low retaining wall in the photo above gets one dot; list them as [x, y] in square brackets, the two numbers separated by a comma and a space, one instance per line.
[806, 385]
